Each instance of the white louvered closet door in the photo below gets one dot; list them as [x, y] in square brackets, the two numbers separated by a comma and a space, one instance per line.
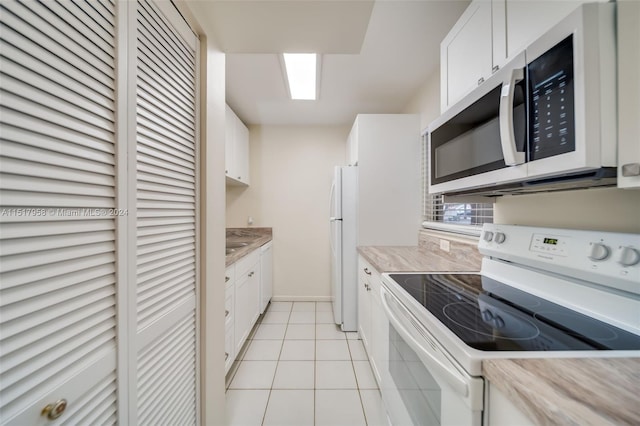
[57, 233]
[166, 228]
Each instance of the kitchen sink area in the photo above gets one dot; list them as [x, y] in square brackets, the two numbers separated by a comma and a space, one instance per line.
[242, 241]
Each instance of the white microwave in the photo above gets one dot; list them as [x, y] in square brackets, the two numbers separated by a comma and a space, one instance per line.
[545, 121]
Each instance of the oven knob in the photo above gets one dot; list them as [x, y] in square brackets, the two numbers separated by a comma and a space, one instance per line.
[499, 238]
[487, 316]
[628, 256]
[598, 252]
[498, 322]
[488, 236]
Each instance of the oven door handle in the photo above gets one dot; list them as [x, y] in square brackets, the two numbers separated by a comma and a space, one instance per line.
[453, 378]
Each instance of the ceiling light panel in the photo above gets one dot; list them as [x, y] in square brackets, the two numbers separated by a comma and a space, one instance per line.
[301, 73]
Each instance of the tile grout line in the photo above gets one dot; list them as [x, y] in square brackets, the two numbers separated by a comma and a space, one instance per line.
[266, 407]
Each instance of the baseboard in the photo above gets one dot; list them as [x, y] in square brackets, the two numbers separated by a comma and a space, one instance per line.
[301, 298]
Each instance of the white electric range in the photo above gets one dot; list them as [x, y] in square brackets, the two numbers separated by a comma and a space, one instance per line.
[541, 293]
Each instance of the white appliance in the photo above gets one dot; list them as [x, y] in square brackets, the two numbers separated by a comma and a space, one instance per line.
[343, 239]
[545, 121]
[541, 293]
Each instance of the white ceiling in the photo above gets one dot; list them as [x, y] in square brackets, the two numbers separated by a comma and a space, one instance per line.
[375, 55]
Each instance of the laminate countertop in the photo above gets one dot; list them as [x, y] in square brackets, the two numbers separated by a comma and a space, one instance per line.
[570, 391]
[417, 259]
[254, 237]
[550, 391]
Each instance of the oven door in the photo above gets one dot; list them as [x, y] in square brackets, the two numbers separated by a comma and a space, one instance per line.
[422, 385]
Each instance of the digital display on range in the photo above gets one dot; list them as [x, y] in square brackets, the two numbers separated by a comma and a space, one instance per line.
[552, 241]
[551, 102]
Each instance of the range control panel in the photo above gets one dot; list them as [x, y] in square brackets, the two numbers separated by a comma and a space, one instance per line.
[607, 258]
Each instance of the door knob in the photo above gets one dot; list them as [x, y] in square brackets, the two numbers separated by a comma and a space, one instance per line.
[55, 410]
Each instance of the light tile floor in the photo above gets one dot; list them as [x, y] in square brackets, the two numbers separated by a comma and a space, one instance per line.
[298, 368]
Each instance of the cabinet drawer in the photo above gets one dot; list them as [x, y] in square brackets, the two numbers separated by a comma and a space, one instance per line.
[230, 276]
[369, 275]
[228, 310]
[246, 263]
[229, 355]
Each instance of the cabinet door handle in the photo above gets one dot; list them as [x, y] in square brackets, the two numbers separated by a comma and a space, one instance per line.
[495, 68]
[226, 355]
[226, 279]
[631, 169]
[480, 81]
[226, 313]
[367, 271]
[251, 273]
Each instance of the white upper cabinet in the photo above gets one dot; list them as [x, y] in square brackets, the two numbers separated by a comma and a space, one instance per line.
[488, 35]
[466, 53]
[236, 150]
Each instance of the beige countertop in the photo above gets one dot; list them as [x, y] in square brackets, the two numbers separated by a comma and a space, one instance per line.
[550, 391]
[255, 237]
[570, 391]
[410, 259]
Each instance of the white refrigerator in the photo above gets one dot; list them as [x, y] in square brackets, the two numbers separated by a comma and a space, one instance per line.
[344, 259]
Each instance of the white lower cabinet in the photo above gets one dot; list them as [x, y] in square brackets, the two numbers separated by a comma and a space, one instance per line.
[372, 324]
[247, 293]
[266, 275]
[229, 309]
[503, 412]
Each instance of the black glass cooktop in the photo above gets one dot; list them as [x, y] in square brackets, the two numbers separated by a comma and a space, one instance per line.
[492, 316]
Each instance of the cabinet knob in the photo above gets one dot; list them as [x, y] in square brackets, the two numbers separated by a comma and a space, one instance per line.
[226, 355]
[367, 271]
[239, 177]
[226, 313]
[226, 171]
[251, 273]
[226, 279]
[495, 68]
[55, 410]
[480, 81]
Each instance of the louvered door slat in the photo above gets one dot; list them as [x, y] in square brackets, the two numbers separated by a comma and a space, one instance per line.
[158, 54]
[158, 78]
[170, 38]
[62, 118]
[176, 358]
[32, 57]
[166, 206]
[69, 12]
[164, 100]
[95, 406]
[54, 22]
[86, 62]
[57, 265]
[19, 80]
[156, 166]
[51, 137]
[103, 20]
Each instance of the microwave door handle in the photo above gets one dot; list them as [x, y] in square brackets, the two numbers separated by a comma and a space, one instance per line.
[450, 375]
[507, 136]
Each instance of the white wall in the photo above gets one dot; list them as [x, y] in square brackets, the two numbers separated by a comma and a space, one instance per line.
[291, 172]
[607, 209]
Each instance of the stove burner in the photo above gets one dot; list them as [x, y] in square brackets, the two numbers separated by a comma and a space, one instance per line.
[574, 322]
[467, 316]
[418, 284]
